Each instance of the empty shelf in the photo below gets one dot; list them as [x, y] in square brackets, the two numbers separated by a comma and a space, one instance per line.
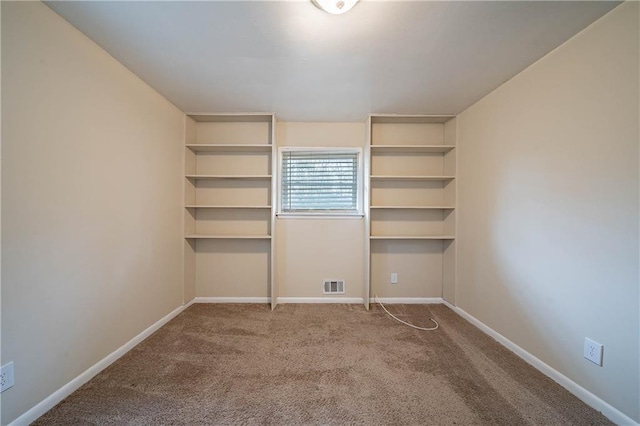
[413, 118]
[229, 147]
[423, 178]
[412, 148]
[197, 206]
[231, 118]
[214, 177]
[412, 207]
[412, 237]
[229, 237]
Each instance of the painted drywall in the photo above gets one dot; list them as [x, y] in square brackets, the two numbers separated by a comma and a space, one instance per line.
[548, 208]
[91, 204]
[310, 250]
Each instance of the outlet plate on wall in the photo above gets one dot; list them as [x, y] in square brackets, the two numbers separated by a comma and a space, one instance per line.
[394, 278]
[6, 376]
[593, 351]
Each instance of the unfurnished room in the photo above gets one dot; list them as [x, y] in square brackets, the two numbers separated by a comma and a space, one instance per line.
[320, 212]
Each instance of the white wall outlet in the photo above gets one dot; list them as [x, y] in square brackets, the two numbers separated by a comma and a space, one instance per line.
[593, 351]
[394, 278]
[6, 376]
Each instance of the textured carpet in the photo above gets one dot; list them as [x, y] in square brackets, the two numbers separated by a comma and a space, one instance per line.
[320, 364]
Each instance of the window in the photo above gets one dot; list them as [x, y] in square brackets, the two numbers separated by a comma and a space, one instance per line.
[320, 181]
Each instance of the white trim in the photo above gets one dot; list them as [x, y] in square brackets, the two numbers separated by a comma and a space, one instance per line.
[273, 282]
[366, 199]
[349, 300]
[612, 413]
[408, 300]
[232, 300]
[52, 400]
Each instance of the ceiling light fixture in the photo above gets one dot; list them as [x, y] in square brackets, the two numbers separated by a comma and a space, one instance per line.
[335, 7]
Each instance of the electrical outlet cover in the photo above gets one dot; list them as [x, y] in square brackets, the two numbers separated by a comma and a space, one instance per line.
[593, 351]
[6, 376]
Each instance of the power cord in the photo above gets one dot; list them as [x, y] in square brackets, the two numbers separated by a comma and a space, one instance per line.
[403, 322]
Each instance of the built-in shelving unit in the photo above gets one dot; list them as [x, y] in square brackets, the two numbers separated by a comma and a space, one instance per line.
[410, 196]
[229, 194]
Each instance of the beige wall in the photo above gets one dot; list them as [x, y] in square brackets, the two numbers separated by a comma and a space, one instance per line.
[91, 204]
[548, 208]
[311, 250]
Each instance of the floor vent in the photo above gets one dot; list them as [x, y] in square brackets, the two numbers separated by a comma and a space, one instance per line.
[333, 287]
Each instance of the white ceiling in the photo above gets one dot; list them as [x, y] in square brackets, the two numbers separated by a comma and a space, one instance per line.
[306, 65]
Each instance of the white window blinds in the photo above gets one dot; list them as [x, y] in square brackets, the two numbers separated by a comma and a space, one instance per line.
[319, 181]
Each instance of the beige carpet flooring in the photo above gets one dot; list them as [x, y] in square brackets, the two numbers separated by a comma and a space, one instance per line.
[319, 364]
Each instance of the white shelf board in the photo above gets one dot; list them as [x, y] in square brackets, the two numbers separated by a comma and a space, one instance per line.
[412, 237]
[215, 177]
[412, 148]
[229, 147]
[228, 237]
[423, 178]
[408, 119]
[231, 117]
[413, 207]
[199, 206]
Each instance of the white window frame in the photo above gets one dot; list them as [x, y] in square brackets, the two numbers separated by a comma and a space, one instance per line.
[328, 213]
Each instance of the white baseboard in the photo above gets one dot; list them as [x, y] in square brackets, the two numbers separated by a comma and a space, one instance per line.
[332, 299]
[52, 400]
[232, 300]
[348, 300]
[408, 300]
[612, 413]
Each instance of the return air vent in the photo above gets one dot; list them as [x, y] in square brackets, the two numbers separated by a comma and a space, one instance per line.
[333, 287]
